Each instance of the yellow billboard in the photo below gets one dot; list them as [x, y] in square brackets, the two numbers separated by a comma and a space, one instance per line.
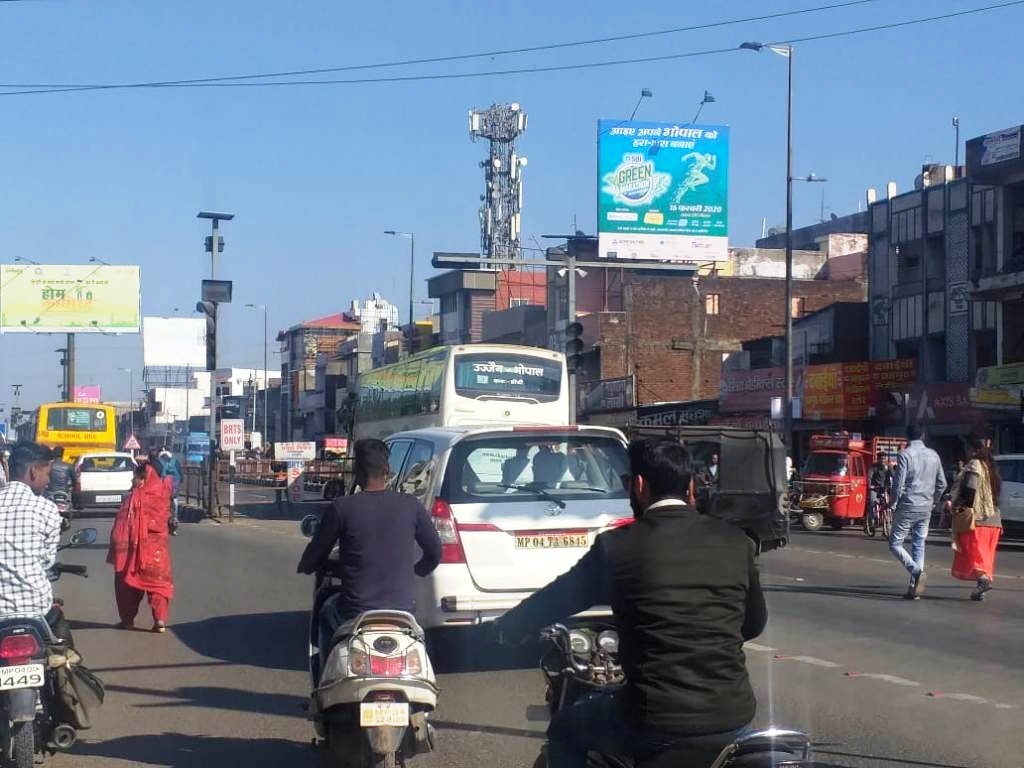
[74, 298]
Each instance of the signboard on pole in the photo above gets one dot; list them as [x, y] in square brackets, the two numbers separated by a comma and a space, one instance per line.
[232, 435]
[294, 451]
[132, 443]
[296, 486]
[663, 191]
[175, 342]
[73, 298]
[604, 395]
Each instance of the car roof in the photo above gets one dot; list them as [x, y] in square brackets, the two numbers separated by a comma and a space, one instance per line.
[106, 455]
[449, 435]
[1010, 456]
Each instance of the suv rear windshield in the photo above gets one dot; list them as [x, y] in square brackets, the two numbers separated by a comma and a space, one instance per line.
[531, 466]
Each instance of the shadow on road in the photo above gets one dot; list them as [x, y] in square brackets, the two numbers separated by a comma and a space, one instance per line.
[269, 640]
[184, 751]
[211, 697]
[894, 762]
[881, 593]
[492, 730]
[271, 511]
[458, 651]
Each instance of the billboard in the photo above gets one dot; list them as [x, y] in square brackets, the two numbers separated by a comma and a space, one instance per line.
[174, 342]
[88, 393]
[663, 191]
[74, 298]
[604, 395]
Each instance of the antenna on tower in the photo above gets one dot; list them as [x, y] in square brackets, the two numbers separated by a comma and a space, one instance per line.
[502, 201]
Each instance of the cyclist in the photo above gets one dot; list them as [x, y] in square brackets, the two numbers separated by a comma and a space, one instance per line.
[881, 481]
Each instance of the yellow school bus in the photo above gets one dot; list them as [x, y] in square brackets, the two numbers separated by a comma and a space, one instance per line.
[77, 427]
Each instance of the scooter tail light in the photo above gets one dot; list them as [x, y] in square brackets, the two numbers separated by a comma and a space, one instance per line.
[444, 523]
[16, 649]
[358, 663]
[387, 666]
[413, 663]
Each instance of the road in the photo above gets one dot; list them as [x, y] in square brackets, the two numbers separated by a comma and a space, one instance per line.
[876, 681]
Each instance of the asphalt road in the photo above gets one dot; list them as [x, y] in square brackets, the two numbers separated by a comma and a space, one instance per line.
[875, 680]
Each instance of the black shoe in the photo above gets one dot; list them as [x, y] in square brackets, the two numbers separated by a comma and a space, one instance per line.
[984, 585]
[909, 594]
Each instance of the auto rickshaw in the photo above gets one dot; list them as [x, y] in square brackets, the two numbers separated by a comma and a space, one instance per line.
[835, 483]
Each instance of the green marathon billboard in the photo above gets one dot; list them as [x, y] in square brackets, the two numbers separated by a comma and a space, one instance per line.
[663, 191]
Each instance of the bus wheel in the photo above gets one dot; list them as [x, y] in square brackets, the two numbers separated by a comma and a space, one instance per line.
[812, 521]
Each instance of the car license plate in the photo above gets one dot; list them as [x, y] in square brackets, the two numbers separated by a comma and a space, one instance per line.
[552, 541]
[373, 714]
[21, 676]
[107, 499]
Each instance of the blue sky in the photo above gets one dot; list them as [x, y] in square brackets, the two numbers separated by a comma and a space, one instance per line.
[315, 174]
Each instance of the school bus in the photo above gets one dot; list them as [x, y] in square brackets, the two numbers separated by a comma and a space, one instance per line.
[77, 427]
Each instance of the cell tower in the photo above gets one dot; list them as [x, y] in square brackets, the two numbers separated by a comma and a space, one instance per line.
[502, 201]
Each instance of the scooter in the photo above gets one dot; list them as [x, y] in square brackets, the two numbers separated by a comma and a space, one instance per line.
[583, 661]
[28, 691]
[376, 688]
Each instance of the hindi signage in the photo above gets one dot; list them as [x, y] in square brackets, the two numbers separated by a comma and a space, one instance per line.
[294, 451]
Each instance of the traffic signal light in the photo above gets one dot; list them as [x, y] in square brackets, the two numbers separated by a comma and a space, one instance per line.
[209, 310]
[573, 346]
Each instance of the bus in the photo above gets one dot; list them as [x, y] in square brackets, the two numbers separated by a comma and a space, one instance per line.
[465, 385]
[77, 427]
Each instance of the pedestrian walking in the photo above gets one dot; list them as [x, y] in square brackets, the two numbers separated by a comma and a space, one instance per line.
[977, 524]
[917, 485]
[140, 550]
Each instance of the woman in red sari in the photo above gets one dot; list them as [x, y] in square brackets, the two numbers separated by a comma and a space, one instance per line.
[140, 550]
[977, 525]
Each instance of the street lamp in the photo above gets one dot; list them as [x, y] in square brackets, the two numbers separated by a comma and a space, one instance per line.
[266, 382]
[214, 244]
[98, 260]
[411, 237]
[131, 395]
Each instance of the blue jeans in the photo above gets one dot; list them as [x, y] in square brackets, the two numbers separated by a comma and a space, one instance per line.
[915, 523]
[596, 725]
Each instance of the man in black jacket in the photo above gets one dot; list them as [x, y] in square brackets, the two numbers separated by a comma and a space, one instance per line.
[685, 594]
[62, 475]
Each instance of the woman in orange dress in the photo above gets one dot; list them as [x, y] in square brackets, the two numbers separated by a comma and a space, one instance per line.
[977, 524]
[140, 550]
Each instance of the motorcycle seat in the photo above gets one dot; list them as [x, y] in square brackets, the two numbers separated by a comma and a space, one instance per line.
[398, 620]
[38, 626]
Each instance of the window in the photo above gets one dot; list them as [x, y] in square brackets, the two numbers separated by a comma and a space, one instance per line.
[397, 451]
[419, 469]
[798, 306]
[518, 303]
[711, 303]
[77, 419]
[507, 376]
[537, 468]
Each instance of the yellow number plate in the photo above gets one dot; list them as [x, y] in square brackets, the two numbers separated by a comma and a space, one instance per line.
[552, 541]
[379, 713]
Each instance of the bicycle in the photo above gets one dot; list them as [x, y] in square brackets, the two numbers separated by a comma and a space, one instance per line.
[881, 519]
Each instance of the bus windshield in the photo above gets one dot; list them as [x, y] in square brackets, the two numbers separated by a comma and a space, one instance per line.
[77, 419]
[507, 375]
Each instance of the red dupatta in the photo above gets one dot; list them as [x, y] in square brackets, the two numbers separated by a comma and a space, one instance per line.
[140, 540]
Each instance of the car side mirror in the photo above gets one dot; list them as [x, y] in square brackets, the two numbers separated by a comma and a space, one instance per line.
[309, 525]
[85, 536]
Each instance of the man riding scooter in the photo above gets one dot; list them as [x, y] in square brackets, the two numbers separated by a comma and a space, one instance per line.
[685, 594]
[30, 528]
[376, 532]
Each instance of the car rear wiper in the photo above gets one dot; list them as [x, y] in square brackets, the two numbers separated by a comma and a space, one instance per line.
[539, 491]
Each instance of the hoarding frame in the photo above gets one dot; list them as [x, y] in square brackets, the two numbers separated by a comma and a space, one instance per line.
[66, 296]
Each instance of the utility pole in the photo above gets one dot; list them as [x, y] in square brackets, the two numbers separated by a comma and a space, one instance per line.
[214, 245]
[69, 362]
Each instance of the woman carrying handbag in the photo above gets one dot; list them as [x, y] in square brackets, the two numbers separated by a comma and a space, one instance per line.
[977, 525]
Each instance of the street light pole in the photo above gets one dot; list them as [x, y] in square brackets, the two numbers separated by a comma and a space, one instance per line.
[411, 237]
[131, 397]
[787, 422]
[266, 375]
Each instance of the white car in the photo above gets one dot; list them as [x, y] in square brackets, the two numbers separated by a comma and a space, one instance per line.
[515, 507]
[102, 479]
[1011, 500]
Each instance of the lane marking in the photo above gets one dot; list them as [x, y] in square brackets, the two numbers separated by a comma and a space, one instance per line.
[758, 647]
[885, 678]
[814, 661]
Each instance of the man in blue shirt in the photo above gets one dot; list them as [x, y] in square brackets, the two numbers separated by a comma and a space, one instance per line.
[917, 486]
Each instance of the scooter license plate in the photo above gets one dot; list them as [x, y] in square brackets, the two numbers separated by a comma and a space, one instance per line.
[21, 676]
[379, 713]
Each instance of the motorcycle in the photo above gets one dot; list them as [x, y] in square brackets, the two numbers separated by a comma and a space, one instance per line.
[63, 502]
[28, 687]
[376, 688]
[582, 662]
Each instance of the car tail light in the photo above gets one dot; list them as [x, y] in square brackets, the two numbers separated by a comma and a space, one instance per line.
[622, 522]
[17, 649]
[387, 666]
[444, 522]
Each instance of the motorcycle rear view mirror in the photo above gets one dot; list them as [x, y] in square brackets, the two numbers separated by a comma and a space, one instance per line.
[85, 536]
[309, 525]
